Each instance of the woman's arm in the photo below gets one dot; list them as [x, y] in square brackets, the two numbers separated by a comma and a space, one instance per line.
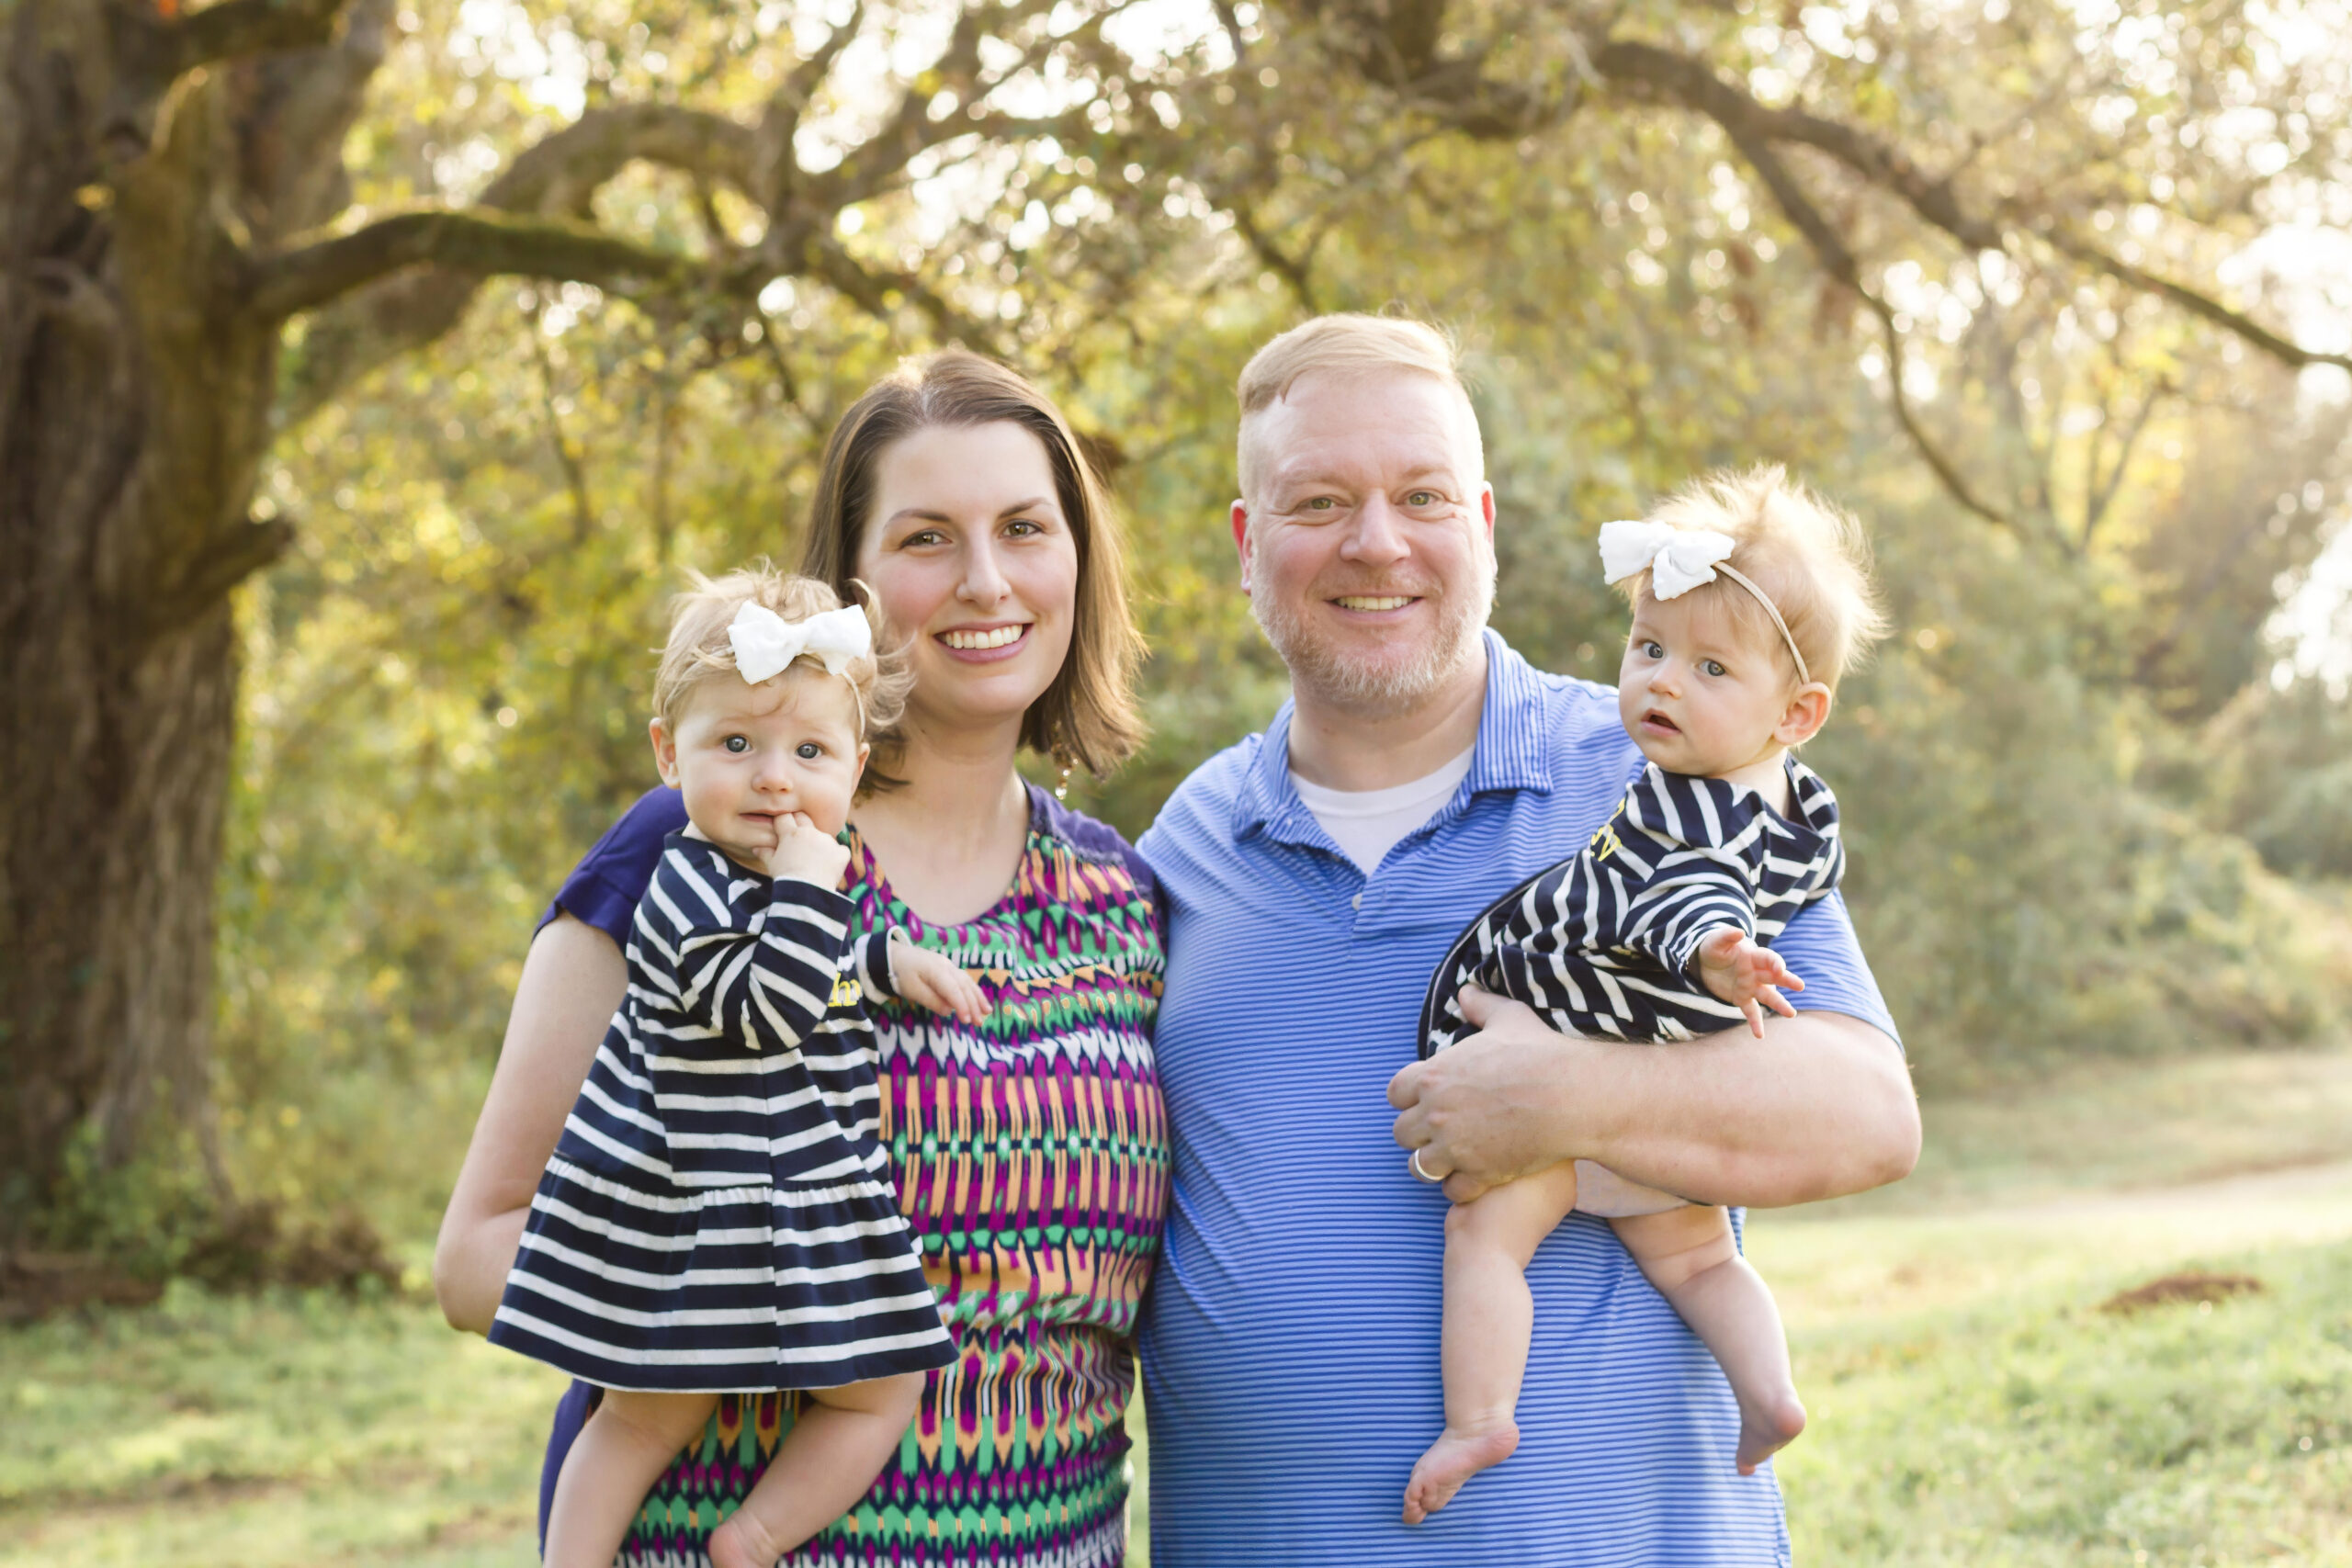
[1820, 1106]
[573, 980]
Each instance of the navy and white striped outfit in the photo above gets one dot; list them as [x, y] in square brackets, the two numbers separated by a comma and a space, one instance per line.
[717, 1214]
[1601, 944]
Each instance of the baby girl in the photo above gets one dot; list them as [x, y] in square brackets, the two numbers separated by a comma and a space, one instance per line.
[717, 1215]
[1751, 599]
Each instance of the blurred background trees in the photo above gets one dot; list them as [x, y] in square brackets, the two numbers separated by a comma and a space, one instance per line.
[2056, 296]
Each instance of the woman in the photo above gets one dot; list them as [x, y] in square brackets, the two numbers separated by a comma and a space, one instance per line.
[1030, 1153]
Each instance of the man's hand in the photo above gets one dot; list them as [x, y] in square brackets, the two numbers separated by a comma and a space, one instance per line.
[1479, 1113]
[1735, 968]
[929, 980]
[806, 853]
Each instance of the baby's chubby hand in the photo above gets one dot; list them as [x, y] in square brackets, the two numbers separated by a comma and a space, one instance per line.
[932, 982]
[806, 853]
[1733, 967]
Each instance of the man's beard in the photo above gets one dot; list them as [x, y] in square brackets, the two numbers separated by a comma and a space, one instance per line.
[1393, 679]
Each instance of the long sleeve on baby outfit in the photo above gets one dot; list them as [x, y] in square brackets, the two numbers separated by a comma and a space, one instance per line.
[1603, 943]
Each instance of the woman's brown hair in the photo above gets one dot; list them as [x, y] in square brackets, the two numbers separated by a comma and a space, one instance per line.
[1087, 718]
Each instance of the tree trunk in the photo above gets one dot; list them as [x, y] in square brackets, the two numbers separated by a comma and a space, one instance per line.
[135, 399]
[158, 159]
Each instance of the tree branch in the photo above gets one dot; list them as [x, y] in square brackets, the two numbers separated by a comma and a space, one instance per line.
[2204, 307]
[1946, 472]
[872, 287]
[575, 470]
[1836, 258]
[1291, 270]
[245, 549]
[562, 173]
[776, 170]
[234, 29]
[1693, 83]
[559, 175]
[2098, 494]
[474, 243]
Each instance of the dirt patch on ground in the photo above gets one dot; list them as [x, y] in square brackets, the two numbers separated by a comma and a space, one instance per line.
[249, 1247]
[2192, 1285]
[35, 1284]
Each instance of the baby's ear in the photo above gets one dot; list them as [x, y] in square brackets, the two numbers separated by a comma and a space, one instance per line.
[1807, 713]
[666, 752]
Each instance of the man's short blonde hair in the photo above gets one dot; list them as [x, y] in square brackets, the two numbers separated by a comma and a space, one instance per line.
[1347, 343]
[699, 649]
[1809, 555]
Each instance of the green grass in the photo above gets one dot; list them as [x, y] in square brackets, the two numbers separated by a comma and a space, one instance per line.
[284, 1430]
[1971, 1403]
[1973, 1406]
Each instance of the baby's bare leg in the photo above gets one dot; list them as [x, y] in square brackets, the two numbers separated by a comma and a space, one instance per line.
[1687, 1254]
[622, 1451]
[836, 1446]
[1489, 1318]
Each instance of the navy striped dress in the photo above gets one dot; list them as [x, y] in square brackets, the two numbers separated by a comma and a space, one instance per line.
[717, 1215]
[1601, 944]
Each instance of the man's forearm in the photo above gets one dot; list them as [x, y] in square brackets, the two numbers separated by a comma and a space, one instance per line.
[1820, 1107]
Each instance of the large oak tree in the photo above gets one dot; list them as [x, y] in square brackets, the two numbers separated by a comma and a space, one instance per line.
[181, 283]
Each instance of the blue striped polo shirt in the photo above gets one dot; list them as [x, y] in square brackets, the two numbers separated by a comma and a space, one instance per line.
[1290, 1340]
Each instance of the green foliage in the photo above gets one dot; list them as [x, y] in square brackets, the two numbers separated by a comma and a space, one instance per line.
[144, 1215]
[2284, 775]
[2051, 776]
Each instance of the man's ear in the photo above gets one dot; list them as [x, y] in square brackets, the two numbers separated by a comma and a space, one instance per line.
[1242, 539]
[666, 752]
[1487, 508]
[1807, 713]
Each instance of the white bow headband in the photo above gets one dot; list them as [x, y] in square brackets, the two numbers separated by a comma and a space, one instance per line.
[1680, 560]
[765, 643]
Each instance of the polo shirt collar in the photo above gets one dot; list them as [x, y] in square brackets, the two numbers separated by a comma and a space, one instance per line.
[1510, 754]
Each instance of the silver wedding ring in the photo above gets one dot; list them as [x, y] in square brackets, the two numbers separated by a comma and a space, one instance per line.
[1418, 1173]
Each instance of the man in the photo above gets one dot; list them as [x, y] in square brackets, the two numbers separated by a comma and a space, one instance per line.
[1315, 874]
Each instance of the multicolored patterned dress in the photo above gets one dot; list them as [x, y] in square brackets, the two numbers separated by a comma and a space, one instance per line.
[1031, 1158]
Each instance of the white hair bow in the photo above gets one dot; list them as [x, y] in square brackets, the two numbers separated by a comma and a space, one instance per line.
[767, 643]
[1680, 560]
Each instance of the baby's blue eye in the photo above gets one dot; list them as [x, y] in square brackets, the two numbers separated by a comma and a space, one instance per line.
[737, 744]
[809, 750]
[1714, 668]
[1652, 650]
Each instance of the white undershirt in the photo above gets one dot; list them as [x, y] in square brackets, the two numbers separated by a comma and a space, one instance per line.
[1368, 823]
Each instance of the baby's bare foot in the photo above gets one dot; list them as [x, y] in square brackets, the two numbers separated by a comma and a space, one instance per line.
[1766, 1426]
[1456, 1456]
[741, 1541]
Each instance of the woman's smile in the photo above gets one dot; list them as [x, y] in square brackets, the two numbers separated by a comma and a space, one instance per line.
[985, 643]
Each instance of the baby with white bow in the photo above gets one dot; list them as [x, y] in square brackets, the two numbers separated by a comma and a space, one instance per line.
[719, 1215]
[1751, 599]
